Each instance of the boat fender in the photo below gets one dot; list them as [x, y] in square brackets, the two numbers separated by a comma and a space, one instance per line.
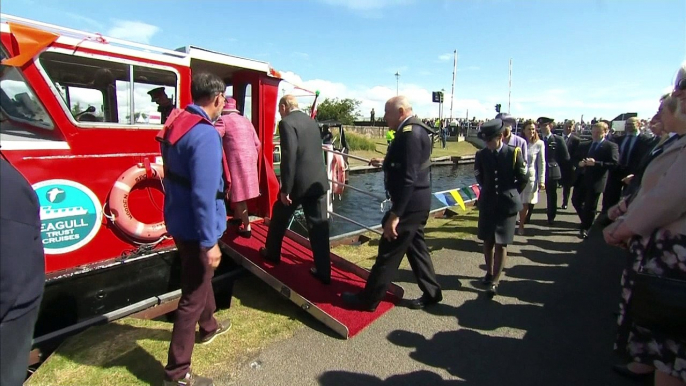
[338, 174]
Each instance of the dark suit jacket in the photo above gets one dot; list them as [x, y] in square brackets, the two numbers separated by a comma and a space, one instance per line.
[407, 167]
[641, 147]
[606, 157]
[556, 155]
[303, 171]
[569, 168]
[501, 181]
[22, 262]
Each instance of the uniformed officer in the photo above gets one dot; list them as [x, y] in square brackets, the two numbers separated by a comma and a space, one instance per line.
[556, 156]
[501, 173]
[406, 168]
[164, 104]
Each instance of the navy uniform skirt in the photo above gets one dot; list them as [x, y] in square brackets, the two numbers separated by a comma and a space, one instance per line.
[497, 227]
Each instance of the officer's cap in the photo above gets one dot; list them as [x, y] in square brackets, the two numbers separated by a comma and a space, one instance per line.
[506, 118]
[491, 129]
[544, 120]
[156, 92]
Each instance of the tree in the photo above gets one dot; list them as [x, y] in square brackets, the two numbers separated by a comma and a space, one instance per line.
[343, 110]
[76, 108]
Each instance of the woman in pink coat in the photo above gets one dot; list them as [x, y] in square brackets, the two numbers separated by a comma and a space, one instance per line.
[241, 146]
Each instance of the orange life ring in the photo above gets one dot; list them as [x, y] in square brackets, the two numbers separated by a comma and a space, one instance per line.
[119, 203]
[337, 174]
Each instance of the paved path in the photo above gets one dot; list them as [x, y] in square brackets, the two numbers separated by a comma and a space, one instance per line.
[552, 323]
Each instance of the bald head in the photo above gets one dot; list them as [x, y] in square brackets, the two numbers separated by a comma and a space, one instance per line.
[397, 110]
[287, 104]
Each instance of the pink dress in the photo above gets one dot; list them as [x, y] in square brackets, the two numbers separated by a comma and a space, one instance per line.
[241, 146]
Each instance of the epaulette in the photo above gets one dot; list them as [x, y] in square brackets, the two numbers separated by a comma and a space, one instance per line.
[407, 128]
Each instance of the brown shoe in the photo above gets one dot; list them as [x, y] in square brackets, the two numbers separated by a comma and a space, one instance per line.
[222, 327]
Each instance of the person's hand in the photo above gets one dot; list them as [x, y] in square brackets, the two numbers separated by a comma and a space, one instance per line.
[285, 199]
[213, 255]
[614, 212]
[589, 162]
[614, 235]
[582, 163]
[389, 227]
[376, 162]
[627, 180]
[541, 186]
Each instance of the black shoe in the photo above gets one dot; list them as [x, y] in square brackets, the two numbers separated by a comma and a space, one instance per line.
[487, 280]
[354, 302]
[424, 301]
[624, 371]
[314, 273]
[245, 233]
[492, 291]
[564, 206]
[265, 255]
[583, 234]
[190, 379]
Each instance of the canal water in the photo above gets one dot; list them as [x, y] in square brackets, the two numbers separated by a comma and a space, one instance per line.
[367, 210]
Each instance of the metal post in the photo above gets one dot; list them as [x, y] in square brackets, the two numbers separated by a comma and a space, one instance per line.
[509, 93]
[397, 80]
[452, 93]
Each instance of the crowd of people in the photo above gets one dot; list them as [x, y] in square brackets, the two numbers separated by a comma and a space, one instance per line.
[210, 152]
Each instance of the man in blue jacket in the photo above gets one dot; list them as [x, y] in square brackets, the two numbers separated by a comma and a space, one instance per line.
[195, 215]
[22, 272]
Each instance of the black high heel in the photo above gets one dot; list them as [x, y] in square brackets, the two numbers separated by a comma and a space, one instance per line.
[492, 291]
[244, 233]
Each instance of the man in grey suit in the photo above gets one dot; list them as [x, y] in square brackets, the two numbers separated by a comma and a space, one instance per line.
[303, 182]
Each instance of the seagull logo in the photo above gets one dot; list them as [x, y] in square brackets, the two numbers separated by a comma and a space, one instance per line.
[55, 195]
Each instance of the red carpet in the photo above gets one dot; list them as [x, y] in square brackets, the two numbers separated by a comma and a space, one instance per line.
[296, 261]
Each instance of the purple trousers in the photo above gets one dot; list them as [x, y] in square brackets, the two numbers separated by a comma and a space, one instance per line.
[196, 306]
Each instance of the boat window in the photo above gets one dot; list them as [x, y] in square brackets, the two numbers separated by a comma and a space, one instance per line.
[154, 94]
[21, 109]
[99, 90]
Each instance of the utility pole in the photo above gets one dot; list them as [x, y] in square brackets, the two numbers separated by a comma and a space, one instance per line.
[452, 96]
[397, 80]
[509, 93]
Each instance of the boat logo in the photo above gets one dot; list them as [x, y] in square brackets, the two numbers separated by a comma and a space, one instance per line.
[70, 215]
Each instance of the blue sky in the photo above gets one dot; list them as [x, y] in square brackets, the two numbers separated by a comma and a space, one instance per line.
[592, 57]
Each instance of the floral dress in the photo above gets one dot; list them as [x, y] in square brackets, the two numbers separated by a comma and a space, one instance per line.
[666, 353]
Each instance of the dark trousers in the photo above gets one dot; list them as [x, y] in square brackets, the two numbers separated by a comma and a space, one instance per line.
[196, 306]
[15, 344]
[612, 192]
[551, 198]
[410, 240]
[585, 201]
[317, 229]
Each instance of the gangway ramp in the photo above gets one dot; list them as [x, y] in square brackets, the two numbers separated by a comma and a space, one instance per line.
[293, 280]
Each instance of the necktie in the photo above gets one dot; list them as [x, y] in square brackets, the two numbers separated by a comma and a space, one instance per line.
[628, 145]
[593, 147]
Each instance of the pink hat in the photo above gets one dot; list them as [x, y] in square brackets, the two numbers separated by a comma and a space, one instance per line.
[230, 105]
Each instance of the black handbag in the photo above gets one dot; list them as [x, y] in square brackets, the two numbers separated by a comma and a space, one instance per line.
[658, 303]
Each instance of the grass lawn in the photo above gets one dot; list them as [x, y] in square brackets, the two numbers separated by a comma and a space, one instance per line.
[133, 351]
[452, 149]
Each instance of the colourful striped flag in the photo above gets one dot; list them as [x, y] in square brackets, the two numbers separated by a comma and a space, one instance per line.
[452, 198]
[458, 199]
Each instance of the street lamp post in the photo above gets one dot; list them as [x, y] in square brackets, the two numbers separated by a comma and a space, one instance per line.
[397, 79]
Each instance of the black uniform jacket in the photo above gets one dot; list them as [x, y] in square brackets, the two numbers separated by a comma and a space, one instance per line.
[501, 178]
[407, 168]
[568, 170]
[303, 171]
[556, 155]
[606, 157]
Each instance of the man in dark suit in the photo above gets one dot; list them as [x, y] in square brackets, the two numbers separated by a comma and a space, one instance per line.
[569, 168]
[501, 173]
[22, 272]
[597, 158]
[632, 148]
[303, 182]
[407, 179]
[556, 155]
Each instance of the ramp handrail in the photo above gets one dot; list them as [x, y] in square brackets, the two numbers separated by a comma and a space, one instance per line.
[356, 223]
[347, 155]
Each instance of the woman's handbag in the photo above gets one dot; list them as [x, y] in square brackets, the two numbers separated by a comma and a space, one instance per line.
[658, 303]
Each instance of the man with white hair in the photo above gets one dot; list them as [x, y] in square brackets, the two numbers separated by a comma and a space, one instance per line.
[407, 180]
